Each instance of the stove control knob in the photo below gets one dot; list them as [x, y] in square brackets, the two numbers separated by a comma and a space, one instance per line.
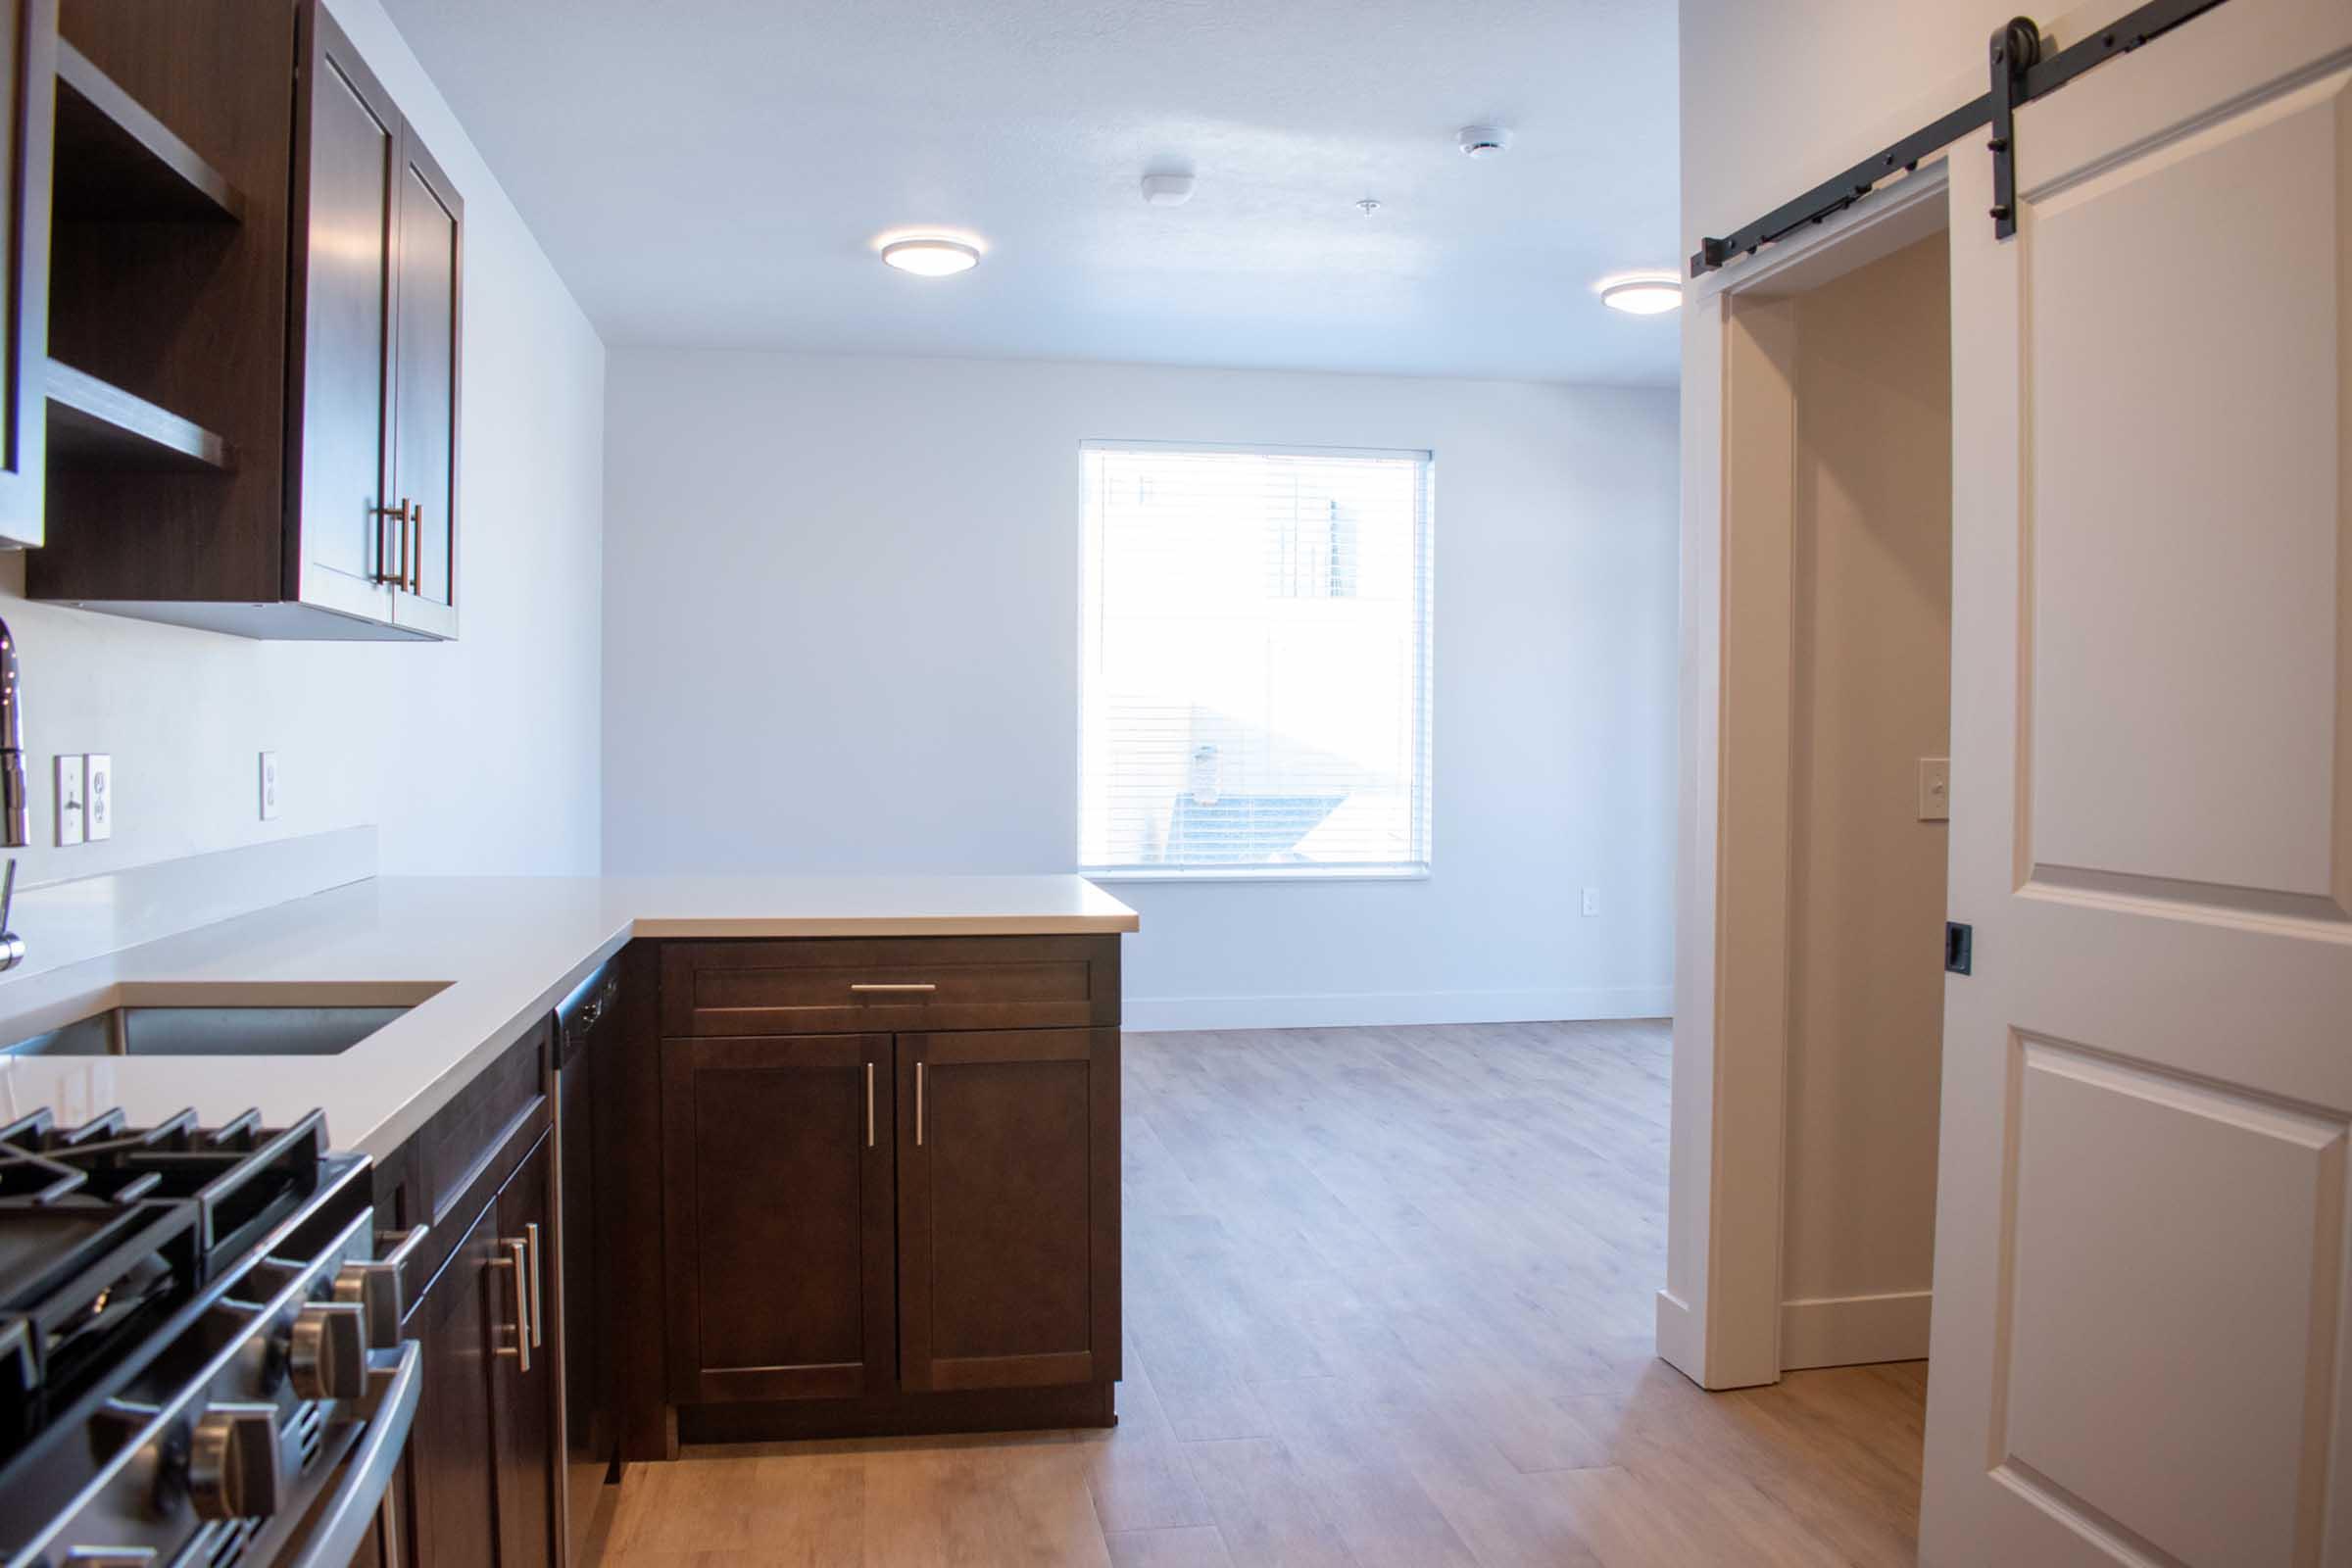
[232, 1462]
[328, 1355]
[377, 1286]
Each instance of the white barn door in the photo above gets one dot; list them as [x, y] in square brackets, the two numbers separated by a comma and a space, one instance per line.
[2139, 1341]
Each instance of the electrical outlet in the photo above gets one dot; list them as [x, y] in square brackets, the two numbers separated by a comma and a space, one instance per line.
[69, 801]
[1592, 901]
[98, 814]
[1935, 789]
[270, 797]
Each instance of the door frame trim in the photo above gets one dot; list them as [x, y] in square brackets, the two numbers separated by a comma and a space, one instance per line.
[1720, 1312]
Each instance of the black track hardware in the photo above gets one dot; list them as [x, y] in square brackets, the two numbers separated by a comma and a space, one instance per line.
[2020, 74]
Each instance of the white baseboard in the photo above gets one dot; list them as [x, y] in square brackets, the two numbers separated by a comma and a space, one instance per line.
[1345, 1010]
[1854, 1330]
[1680, 1344]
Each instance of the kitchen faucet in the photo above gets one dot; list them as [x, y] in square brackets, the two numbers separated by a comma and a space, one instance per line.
[16, 816]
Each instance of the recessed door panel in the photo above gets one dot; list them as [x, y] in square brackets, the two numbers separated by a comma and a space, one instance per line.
[2177, 1255]
[778, 1172]
[353, 136]
[2186, 514]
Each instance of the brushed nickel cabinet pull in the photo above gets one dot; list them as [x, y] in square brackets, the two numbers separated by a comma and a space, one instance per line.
[383, 574]
[531, 1237]
[513, 1266]
[415, 561]
[869, 1105]
[919, 1104]
[909, 987]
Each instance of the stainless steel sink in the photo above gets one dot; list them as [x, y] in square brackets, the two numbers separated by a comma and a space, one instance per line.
[211, 1031]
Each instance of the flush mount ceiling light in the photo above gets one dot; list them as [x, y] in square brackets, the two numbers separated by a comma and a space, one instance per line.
[931, 258]
[1642, 293]
[1482, 141]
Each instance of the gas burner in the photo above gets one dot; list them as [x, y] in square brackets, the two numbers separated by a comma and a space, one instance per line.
[106, 1229]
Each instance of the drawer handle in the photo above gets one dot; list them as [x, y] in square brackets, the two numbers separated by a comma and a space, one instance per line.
[909, 987]
[515, 1265]
[919, 1104]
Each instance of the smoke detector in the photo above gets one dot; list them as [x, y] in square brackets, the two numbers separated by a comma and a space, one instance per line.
[1167, 190]
[1484, 141]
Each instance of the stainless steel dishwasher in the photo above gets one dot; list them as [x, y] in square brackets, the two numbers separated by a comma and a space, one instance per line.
[585, 1025]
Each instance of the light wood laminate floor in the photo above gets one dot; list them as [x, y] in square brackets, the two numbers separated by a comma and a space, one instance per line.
[1388, 1301]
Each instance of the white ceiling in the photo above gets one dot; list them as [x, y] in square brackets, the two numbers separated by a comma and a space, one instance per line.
[717, 172]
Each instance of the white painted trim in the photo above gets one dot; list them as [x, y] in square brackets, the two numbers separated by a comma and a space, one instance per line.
[1854, 1330]
[1729, 1140]
[1681, 1342]
[87, 917]
[1345, 1009]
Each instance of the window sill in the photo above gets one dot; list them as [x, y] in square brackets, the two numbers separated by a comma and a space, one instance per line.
[1270, 873]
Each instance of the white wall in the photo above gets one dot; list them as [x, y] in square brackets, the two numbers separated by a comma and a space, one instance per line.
[841, 634]
[476, 756]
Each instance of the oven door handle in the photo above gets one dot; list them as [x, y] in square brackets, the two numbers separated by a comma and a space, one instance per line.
[343, 1522]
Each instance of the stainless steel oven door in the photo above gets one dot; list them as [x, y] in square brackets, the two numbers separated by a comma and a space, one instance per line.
[330, 1535]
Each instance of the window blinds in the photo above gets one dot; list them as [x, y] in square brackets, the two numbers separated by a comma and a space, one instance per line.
[1257, 662]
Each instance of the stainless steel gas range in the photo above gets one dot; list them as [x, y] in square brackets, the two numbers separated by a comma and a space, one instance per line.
[200, 1352]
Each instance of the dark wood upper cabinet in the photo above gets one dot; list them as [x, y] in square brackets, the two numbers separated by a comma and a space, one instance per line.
[1008, 1227]
[347, 156]
[778, 1156]
[424, 389]
[29, 77]
[254, 312]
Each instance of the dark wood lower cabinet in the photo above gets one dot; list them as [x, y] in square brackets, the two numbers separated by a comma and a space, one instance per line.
[1008, 1218]
[452, 1447]
[870, 1232]
[523, 1388]
[778, 1222]
[479, 1487]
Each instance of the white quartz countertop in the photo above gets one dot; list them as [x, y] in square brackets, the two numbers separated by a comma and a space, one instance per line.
[490, 954]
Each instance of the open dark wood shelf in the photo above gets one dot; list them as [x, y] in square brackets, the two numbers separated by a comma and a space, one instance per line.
[91, 422]
[116, 160]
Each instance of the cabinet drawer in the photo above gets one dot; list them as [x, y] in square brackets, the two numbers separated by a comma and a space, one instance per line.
[828, 985]
[461, 1158]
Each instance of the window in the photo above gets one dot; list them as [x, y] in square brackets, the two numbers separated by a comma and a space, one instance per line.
[1257, 682]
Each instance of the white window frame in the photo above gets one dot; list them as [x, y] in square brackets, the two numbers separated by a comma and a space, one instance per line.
[1424, 682]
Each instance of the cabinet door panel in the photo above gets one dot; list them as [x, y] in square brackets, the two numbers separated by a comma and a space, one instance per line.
[347, 157]
[779, 1188]
[29, 76]
[424, 392]
[524, 1402]
[451, 1456]
[1009, 1209]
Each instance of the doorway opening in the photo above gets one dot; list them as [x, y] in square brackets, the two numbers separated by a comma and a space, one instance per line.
[1869, 721]
[1810, 953]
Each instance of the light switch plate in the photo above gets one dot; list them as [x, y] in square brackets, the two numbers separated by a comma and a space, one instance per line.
[1935, 789]
[98, 814]
[69, 801]
[1592, 901]
[268, 785]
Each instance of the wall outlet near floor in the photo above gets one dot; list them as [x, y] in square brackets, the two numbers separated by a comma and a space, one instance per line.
[1935, 789]
[98, 814]
[69, 801]
[270, 797]
[1592, 901]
